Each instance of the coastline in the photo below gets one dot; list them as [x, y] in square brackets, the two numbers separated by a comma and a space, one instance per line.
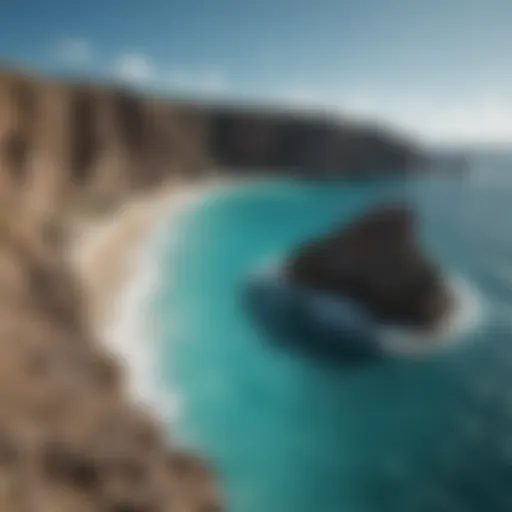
[116, 262]
[67, 392]
[104, 251]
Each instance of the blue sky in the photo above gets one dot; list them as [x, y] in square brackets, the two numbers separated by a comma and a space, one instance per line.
[440, 68]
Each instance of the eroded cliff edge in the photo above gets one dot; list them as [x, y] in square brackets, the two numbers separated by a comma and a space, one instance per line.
[71, 436]
[89, 141]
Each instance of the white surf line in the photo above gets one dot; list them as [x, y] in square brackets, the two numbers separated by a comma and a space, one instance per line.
[131, 333]
[128, 330]
[468, 314]
[398, 341]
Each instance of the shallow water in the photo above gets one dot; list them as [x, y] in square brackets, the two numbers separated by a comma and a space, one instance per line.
[292, 434]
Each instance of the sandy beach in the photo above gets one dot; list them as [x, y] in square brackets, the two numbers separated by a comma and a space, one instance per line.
[115, 260]
[105, 252]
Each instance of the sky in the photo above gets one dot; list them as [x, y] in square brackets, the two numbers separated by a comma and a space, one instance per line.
[439, 68]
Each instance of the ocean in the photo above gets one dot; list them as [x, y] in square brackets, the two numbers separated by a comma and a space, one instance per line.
[288, 433]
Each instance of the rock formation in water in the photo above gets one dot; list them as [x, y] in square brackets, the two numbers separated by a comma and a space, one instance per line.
[377, 261]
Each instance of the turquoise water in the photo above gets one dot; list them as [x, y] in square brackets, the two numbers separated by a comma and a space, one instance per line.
[290, 434]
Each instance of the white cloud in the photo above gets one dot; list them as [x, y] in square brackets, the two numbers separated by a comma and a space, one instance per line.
[74, 51]
[135, 67]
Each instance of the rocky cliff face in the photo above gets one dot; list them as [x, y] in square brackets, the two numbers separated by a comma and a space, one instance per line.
[305, 144]
[66, 142]
[72, 141]
[70, 437]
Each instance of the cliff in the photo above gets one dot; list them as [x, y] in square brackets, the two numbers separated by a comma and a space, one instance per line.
[93, 143]
[71, 439]
[63, 143]
[307, 144]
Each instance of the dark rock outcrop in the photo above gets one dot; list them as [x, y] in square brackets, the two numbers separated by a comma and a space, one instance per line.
[313, 145]
[377, 261]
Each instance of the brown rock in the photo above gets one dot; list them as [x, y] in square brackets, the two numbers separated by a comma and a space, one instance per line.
[70, 437]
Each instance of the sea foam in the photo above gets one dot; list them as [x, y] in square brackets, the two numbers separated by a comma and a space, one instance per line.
[467, 315]
[134, 332]
[394, 340]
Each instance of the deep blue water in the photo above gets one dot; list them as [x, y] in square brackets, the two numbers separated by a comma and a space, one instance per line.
[291, 434]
